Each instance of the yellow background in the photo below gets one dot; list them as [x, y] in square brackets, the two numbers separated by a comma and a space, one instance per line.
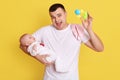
[21, 16]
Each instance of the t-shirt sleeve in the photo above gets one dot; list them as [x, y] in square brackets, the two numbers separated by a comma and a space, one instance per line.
[84, 35]
[38, 35]
[80, 33]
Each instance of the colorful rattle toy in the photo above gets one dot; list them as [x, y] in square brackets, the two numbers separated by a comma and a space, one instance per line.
[81, 13]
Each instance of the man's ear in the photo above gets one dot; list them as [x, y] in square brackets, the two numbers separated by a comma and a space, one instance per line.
[65, 13]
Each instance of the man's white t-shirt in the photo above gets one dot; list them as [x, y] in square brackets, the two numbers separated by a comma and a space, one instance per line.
[66, 47]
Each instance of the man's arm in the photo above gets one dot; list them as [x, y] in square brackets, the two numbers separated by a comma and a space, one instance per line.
[40, 58]
[24, 49]
[94, 43]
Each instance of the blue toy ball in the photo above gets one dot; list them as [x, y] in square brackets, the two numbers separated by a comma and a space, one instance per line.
[81, 13]
[77, 12]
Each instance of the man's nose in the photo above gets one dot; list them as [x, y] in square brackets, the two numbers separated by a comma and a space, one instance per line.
[57, 19]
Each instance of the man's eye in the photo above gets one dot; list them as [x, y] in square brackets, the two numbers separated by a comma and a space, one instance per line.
[53, 17]
[59, 15]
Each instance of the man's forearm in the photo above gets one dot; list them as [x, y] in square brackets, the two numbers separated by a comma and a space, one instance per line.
[95, 40]
[24, 49]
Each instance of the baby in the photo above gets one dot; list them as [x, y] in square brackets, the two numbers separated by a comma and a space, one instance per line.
[34, 47]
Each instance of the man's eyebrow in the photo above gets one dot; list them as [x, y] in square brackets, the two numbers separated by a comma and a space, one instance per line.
[59, 14]
[51, 16]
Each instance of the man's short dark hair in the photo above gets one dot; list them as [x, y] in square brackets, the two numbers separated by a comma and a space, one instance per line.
[55, 6]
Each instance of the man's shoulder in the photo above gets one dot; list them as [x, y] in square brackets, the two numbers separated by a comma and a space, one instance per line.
[45, 27]
[74, 24]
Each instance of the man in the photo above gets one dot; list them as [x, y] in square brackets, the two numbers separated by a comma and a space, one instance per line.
[59, 37]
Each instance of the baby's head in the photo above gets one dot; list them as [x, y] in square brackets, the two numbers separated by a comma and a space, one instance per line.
[26, 39]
